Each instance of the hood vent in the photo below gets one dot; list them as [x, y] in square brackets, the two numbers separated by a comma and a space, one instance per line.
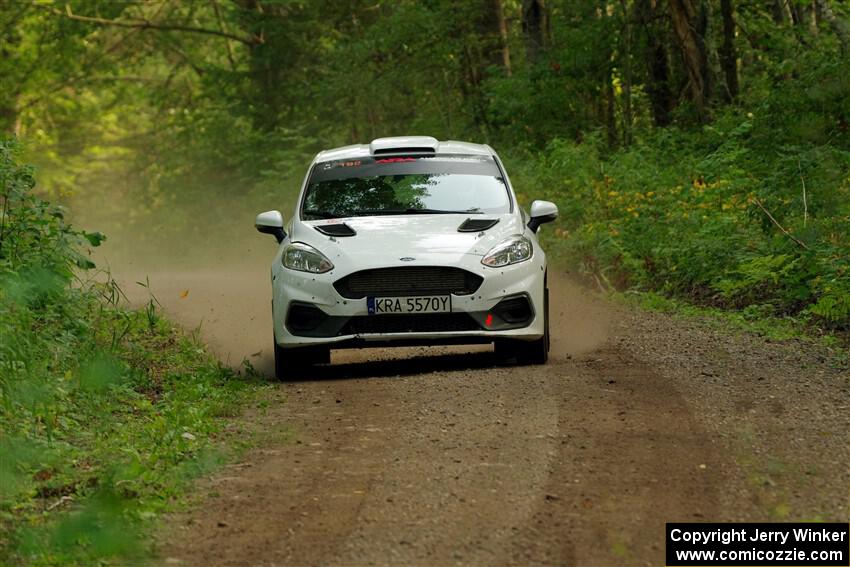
[477, 225]
[340, 229]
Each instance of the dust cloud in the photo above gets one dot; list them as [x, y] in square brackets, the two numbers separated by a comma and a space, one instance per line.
[230, 307]
[216, 283]
[580, 321]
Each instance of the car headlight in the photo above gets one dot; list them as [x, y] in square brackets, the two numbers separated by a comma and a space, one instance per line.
[304, 258]
[511, 251]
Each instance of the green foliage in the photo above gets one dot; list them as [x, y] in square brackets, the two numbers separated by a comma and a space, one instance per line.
[182, 135]
[33, 233]
[759, 278]
[104, 413]
[686, 214]
[175, 138]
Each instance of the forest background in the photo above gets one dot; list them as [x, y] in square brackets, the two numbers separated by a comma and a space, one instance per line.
[698, 151]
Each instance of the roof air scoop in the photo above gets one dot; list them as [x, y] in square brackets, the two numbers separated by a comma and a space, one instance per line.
[340, 229]
[477, 225]
[404, 145]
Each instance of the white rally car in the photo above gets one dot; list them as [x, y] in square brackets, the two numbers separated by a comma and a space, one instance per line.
[408, 241]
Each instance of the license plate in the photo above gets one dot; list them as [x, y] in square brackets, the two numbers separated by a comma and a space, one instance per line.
[403, 305]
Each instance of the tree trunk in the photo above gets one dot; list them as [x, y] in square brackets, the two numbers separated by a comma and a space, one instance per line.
[810, 16]
[610, 111]
[657, 65]
[470, 88]
[815, 17]
[8, 118]
[627, 73]
[608, 107]
[490, 30]
[10, 40]
[687, 24]
[535, 28]
[839, 26]
[266, 93]
[504, 46]
[777, 11]
[728, 54]
[802, 17]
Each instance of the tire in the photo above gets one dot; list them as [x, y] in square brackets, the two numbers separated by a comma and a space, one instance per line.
[279, 362]
[292, 364]
[528, 352]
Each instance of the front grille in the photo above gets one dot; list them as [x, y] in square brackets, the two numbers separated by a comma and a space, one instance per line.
[424, 323]
[407, 281]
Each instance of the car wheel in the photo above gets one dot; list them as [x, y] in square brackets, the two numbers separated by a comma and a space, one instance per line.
[528, 352]
[291, 364]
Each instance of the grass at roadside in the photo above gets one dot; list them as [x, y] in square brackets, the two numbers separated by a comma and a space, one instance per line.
[105, 413]
[108, 440]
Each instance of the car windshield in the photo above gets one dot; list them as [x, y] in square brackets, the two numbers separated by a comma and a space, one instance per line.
[405, 185]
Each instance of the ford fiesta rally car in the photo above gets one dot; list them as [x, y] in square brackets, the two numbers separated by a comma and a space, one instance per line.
[408, 241]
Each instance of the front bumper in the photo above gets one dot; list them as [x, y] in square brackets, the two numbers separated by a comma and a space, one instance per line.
[308, 310]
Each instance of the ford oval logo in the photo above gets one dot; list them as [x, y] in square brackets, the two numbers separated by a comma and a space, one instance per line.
[407, 259]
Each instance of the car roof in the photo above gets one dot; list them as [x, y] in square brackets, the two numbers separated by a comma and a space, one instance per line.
[404, 145]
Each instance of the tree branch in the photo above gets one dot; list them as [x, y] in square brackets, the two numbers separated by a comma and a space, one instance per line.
[226, 43]
[149, 25]
[46, 94]
[799, 243]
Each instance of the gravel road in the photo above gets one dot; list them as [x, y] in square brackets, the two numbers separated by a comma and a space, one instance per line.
[441, 457]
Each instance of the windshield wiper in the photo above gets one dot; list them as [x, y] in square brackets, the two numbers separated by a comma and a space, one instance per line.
[322, 214]
[415, 211]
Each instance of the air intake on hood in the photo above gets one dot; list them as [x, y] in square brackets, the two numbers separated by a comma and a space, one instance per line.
[341, 229]
[477, 225]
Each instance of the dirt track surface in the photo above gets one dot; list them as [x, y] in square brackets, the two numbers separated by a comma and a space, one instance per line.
[441, 457]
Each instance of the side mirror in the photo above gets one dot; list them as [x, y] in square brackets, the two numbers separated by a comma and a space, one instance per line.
[541, 213]
[271, 222]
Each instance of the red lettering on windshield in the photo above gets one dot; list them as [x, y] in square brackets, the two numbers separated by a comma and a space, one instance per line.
[394, 160]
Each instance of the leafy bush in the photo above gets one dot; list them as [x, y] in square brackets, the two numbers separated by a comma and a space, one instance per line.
[716, 216]
[104, 412]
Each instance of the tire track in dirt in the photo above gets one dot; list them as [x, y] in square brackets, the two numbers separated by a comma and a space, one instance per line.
[631, 457]
[384, 469]
[441, 457]
[459, 462]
